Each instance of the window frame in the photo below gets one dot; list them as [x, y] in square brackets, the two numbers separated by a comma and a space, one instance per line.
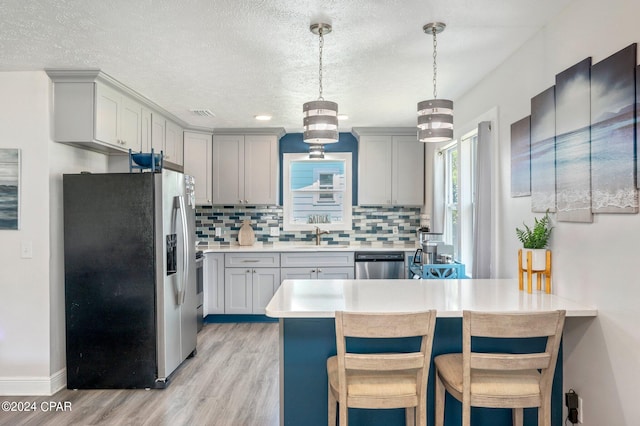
[460, 234]
[287, 197]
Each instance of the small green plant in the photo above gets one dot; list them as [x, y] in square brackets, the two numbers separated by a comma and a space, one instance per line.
[538, 237]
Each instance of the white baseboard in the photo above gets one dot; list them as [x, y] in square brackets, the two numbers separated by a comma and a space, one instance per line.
[33, 386]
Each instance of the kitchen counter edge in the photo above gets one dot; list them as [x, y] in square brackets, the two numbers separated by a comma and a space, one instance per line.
[302, 247]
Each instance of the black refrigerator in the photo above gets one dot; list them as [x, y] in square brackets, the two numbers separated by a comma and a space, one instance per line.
[130, 280]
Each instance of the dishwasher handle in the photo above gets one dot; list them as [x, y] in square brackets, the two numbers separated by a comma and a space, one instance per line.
[379, 256]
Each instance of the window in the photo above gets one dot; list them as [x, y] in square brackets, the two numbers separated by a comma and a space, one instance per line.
[467, 183]
[317, 192]
[450, 235]
[460, 172]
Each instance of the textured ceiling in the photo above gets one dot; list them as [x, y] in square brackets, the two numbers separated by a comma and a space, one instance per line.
[240, 58]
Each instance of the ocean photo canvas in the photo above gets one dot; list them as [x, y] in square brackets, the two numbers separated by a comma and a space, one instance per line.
[613, 159]
[9, 188]
[543, 152]
[521, 157]
[637, 125]
[573, 143]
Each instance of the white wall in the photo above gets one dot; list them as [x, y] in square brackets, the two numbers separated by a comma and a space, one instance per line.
[593, 263]
[24, 283]
[32, 290]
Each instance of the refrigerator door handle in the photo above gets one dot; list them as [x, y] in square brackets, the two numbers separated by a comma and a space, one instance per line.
[185, 251]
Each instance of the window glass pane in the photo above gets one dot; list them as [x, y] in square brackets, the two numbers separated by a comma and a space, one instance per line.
[317, 193]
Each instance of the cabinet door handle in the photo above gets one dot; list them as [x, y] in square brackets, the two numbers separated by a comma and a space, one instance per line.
[254, 271]
[246, 201]
[248, 271]
[250, 261]
[313, 270]
[319, 270]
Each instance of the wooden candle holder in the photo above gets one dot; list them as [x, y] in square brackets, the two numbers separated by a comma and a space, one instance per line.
[540, 273]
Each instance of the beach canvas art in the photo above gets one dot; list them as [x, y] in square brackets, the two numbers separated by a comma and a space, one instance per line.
[613, 160]
[543, 152]
[521, 158]
[573, 143]
[637, 125]
[9, 188]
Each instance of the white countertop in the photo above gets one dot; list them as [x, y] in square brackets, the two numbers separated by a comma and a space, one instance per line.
[306, 246]
[321, 298]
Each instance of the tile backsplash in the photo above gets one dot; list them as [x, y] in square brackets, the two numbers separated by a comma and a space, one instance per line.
[372, 223]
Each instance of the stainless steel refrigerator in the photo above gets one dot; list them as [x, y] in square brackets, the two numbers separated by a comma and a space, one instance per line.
[130, 280]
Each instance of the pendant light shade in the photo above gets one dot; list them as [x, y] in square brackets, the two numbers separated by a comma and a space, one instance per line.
[320, 122]
[435, 116]
[316, 151]
[320, 117]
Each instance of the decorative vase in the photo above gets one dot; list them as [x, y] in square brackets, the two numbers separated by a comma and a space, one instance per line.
[246, 236]
[538, 259]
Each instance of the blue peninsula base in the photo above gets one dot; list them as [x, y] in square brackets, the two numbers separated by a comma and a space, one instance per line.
[306, 343]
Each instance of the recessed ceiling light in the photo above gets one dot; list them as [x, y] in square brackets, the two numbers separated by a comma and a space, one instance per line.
[263, 117]
[343, 117]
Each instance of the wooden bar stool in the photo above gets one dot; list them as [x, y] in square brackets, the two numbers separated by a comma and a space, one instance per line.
[501, 380]
[381, 380]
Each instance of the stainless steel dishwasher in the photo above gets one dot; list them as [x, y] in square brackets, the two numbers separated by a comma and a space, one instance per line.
[379, 265]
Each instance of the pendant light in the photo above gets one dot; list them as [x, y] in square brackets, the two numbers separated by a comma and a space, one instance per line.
[435, 116]
[320, 116]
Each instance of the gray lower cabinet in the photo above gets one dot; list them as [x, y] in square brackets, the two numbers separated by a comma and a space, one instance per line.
[213, 283]
[244, 283]
[248, 284]
[315, 273]
[313, 265]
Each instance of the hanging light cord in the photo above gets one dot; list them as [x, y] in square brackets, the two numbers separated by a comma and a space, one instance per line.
[435, 66]
[321, 43]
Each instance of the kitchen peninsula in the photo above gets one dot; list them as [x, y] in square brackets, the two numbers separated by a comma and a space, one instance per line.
[306, 308]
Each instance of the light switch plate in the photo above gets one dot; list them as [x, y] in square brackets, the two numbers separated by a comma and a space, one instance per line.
[26, 250]
[218, 232]
[274, 231]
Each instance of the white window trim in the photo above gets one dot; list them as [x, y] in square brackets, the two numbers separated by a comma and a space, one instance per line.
[347, 224]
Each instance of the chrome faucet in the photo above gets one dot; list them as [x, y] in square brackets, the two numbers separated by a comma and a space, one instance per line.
[319, 235]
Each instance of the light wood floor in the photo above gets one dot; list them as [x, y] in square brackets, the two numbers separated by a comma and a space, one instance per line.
[233, 380]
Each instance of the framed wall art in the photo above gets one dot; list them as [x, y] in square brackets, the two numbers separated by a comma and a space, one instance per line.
[9, 188]
[543, 152]
[521, 157]
[613, 156]
[573, 143]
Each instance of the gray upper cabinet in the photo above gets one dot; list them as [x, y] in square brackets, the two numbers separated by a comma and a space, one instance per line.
[94, 111]
[198, 159]
[390, 170]
[167, 137]
[118, 119]
[245, 169]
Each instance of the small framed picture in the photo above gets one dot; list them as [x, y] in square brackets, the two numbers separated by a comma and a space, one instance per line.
[9, 189]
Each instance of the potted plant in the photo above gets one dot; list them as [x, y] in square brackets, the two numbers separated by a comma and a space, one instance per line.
[536, 240]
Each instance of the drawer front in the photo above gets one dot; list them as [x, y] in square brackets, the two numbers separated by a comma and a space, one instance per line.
[314, 259]
[336, 273]
[241, 260]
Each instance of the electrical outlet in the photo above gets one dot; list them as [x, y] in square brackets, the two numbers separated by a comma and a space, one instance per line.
[274, 231]
[571, 400]
[218, 232]
[395, 230]
[580, 411]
